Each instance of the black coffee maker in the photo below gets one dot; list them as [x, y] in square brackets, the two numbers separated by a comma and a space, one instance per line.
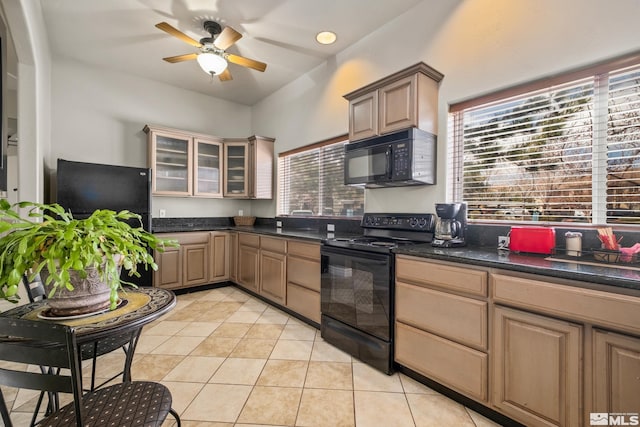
[451, 225]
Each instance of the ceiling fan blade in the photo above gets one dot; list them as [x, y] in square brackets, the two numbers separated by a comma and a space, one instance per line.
[177, 33]
[180, 58]
[226, 38]
[225, 75]
[246, 62]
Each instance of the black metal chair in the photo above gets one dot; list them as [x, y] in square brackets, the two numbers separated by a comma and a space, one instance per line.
[88, 351]
[52, 345]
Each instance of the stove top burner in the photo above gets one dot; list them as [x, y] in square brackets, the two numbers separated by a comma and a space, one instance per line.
[384, 232]
[369, 243]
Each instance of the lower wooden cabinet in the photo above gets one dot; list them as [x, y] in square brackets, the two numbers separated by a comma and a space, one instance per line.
[536, 368]
[185, 266]
[233, 256]
[285, 271]
[459, 367]
[169, 272]
[303, 279]
[616, 373]
[273, 275]
[273, 268]
[195, 261]
[248, 266]
[441, 324]
[219, 250]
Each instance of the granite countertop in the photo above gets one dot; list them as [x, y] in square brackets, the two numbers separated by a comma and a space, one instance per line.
[619, 275]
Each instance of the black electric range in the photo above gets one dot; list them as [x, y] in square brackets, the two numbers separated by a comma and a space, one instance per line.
[357, 285]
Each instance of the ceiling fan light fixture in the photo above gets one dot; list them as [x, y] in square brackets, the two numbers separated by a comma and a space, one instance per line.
[326, 37]
[212, 63]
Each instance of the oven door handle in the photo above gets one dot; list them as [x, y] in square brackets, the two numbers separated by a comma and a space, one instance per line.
[389, 165]
[326, 250]
[324, 263]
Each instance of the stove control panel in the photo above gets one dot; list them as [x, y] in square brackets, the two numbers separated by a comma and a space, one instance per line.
[414, 222]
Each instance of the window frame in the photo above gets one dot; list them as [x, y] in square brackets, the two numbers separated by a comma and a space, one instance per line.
[599, 72]
[344, 139]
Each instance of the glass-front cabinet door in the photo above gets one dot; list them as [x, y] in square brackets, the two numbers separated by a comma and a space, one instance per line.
[171, 164]
[207, 179]
[236, 172]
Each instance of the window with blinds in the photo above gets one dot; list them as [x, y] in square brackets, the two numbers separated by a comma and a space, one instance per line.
[311, 182]
[566, 151]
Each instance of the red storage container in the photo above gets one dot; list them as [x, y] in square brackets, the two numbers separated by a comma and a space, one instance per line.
[537, 240]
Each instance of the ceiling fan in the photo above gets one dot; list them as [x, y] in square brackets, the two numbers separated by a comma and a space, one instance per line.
[212, 57]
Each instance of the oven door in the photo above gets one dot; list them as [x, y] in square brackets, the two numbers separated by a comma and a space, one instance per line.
[367, 164]
[356, 289]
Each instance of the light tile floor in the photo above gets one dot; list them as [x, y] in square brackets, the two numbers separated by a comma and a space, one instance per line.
[230, 359]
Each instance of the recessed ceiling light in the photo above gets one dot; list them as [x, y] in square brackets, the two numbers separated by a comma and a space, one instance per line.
[326, 37]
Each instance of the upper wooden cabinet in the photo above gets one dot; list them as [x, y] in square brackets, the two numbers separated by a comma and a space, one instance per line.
[187, 164]
[171, 162]
[249, 167]
[184, 164]
[408, 98]
[207, 167]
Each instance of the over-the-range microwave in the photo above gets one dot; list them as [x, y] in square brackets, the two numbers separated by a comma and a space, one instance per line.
[403, 158]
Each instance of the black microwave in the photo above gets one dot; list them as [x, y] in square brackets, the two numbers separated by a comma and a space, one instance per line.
[402, 158]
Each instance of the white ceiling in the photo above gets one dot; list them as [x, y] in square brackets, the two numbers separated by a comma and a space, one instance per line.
[121, 35]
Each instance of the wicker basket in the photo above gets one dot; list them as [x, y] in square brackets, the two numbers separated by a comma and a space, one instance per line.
[244, 220]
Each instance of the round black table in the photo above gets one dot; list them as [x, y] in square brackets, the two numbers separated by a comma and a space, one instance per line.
[138, 307]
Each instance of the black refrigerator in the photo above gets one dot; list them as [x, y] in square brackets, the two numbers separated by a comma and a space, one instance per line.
[84, 187]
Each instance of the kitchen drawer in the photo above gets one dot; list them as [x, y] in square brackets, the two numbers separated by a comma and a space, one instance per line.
[246, 239]
[417, 270]
[458, 318]
[304, 301]
[621, 312]
[451, 364]
[304, 249]
[273, 244]
[303, 272]
[187, 238]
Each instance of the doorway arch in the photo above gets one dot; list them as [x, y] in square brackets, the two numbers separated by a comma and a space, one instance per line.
[25, 23]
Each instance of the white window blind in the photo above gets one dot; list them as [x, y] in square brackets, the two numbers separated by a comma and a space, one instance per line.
[623, 146]
[311, 182]
[567, 152]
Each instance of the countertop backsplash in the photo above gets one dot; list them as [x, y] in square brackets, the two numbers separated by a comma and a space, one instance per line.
[478, 235]
[483, 235]
[170, 225]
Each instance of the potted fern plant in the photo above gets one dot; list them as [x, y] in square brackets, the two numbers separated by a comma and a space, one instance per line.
[72, 255]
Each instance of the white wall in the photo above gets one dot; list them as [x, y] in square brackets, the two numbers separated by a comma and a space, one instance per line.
[98, 116]
[480, 46]
[24, 21]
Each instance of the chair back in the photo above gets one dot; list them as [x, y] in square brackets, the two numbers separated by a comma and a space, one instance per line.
[35, 288]
[44, 344]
